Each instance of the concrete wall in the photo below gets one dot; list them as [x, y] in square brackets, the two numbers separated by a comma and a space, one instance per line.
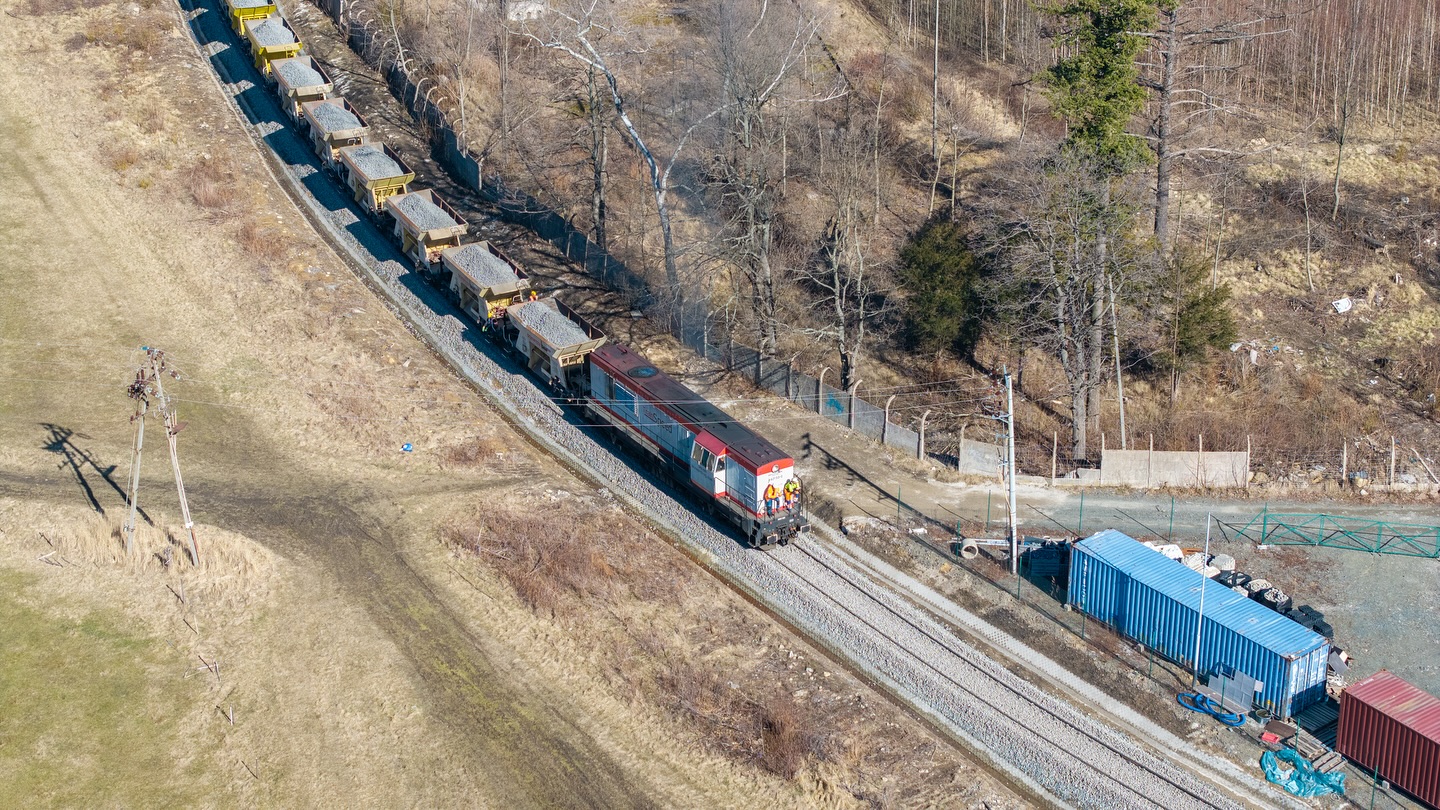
[1174, 468]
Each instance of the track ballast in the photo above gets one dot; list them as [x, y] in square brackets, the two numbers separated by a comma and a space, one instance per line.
[1070, 755]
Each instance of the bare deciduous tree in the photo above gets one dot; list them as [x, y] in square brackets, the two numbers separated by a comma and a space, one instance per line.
[754, 52]
[852, 302]
[575, 32]
[1063, 235]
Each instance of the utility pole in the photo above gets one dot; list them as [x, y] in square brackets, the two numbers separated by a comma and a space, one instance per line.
[149, 382]
[1200, 615]
[137, 392]
[1010, 463]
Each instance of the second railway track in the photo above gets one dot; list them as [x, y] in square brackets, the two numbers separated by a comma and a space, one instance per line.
[1041, 743]
[1074, 758]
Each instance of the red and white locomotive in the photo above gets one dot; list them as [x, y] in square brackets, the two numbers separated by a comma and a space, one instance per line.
[733, 471]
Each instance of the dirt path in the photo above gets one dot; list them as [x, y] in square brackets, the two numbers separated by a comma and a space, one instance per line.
[87, 263]
[377, 672]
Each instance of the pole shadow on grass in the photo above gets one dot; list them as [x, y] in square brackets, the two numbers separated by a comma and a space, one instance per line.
[60, 440]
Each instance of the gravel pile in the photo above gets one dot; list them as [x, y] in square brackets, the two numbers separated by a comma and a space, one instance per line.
[272, 32]
[544, 320]
[423, 214]
[481, 266]
[333, 117]
[298, 74]
[372, 163]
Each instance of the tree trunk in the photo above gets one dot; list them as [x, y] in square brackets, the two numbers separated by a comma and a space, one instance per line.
[599, 157]
[1163, 154]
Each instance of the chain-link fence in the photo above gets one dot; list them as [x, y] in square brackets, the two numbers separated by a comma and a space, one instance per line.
[1368, 461]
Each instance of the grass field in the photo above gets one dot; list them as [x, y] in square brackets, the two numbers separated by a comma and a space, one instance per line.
[367, 663]
[92, 710]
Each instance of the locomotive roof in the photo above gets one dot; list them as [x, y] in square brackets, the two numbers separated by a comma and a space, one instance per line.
[640, 374]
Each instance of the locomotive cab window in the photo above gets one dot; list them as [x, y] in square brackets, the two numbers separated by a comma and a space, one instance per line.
[703, 458]
[720, 466]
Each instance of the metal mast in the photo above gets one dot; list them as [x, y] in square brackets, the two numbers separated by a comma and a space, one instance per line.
[1010, 468]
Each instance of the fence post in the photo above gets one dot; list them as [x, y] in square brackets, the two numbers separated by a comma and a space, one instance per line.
[1247, 461]
[960, 456]
[1054, 455]
[789, 382]
[1102, 461]
[729, 352]
[920, 445]
[820, 392]
[854, 390]
[885, 425]
[1344, 462]
[1392, 461]
[759, 362]
[1200, 462]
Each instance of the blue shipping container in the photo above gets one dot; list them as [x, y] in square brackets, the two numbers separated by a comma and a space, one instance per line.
[1155, 600]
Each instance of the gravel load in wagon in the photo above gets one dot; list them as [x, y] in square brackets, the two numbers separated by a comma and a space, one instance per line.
[272, 32]
[250, 3]
[483, 267]
[546, 323]
[334, 118]
[296, 73]
[372, 162]
[423, 214]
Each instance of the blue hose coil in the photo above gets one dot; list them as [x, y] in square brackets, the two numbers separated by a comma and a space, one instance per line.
[1197, 702]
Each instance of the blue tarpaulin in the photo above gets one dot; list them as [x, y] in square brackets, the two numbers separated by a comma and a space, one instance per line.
[1301, 778]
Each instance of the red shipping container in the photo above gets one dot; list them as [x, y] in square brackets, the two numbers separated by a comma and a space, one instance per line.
[1389, 724]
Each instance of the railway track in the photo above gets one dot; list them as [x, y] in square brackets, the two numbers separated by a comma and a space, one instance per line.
[1071, 756]
[1038, 743]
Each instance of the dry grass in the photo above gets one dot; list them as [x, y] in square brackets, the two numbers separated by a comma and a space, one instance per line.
[232, 568]
[212, 184]
[152, 114]
[42, 8]
[123, 156]
[473, 453]
[261, 240]
[138, 35]
[771, 732]
[554, 558]
[570, 558]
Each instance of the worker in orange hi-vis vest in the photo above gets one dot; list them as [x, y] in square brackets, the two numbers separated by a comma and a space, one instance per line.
[534, 295]
[772, 499]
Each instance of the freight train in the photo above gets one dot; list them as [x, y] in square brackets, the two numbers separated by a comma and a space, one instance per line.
[730, 471]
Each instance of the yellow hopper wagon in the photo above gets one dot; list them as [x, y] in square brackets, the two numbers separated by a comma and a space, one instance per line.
[334, 124]
[375, 173]
[271, 39]
[484, 281]
[298, 80]
[242, 11]
[553, 341]
[425, 226]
